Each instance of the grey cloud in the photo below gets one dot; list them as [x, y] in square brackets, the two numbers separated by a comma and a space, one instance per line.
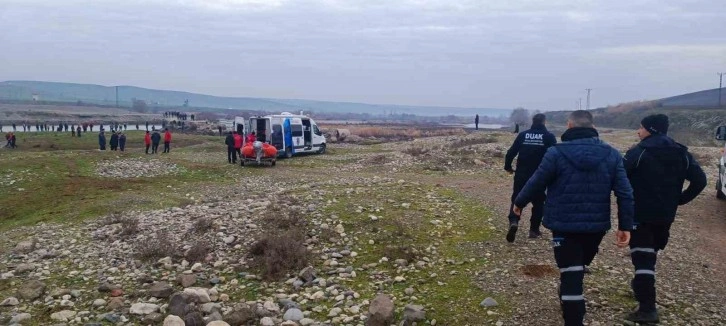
[458, 53]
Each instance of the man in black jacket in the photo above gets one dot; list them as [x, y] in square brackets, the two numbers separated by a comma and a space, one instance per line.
[155, 139]
[657, 168]
[530, 146]
[231, 153]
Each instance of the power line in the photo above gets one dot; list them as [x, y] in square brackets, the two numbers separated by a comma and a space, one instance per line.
[588, 97]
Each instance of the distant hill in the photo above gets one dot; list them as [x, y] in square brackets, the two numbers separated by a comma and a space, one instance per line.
[707, 98]
[106, 95]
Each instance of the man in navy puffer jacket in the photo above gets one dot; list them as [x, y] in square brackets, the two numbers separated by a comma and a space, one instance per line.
[579, 174]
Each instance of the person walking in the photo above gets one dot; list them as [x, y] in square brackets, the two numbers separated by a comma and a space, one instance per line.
[167, 140]
[122, 141]
[78, 131]
[14, 130]
[238, 142]
[231, 153]
[476, 122]
[73, 132]
[147, 141]
[101, 140]
[220, 130]
[155, 139]
[657, 168]
[12, 140]
[579, 175]
[529, 146]
[113, 142]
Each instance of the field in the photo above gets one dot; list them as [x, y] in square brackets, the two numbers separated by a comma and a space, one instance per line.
[111, 237]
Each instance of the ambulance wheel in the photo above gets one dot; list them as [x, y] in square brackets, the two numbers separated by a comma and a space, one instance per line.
[273, 163]
[719, 192]
[322, 149]
[288, 152]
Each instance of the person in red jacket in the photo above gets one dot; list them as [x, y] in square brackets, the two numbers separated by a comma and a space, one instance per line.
[237, 146]
[147, 141]
[251, 138]
[167, 140]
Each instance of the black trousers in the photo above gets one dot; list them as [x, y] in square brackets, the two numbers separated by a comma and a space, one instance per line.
[154, 148]
[537, 203]
[645, 242]
[147, 149]
[166, 147]
[231, 155]
[572, 252]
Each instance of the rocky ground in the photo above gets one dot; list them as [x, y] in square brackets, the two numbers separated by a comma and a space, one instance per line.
[405, 233]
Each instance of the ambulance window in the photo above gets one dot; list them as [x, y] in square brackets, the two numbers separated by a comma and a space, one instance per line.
[316, 130]
[296, 130]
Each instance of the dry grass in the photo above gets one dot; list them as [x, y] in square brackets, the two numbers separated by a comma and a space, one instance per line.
[415, 151]
[198, 252]
[406, 132]
[278, 254]
[154, 248]
[129, 226]
[202, 225]
[473, 141]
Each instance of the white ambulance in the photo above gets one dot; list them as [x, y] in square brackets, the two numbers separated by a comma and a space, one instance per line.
[721, 182]
[291, 134]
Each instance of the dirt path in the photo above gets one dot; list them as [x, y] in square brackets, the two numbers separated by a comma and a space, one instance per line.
[691, 273]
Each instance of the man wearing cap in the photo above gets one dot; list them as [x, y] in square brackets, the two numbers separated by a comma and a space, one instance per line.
[657, 168]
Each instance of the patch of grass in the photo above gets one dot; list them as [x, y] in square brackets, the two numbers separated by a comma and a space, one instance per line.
[421, 223]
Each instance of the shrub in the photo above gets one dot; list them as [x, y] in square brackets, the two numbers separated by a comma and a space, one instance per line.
[202, 225]
[278, 254]
[198, 252]
[129, 226]
[415, 151]
[400, 252]
[154, 248]
[277, 218]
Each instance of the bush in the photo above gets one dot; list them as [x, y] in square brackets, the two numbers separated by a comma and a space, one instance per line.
[198, 252]
[129, 226]
[154, 248]
[276, 255]
[276, 218]
[202, 225]
[415, 151]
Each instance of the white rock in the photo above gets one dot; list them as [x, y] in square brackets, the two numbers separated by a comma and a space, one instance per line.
[267, 321]
[143, 308]
[17, 319]
[64, 315]
[218, 323]
[201, 293]
[10, 301]
[197, 267]
[99, 303]
[172, 320]
[334, 312]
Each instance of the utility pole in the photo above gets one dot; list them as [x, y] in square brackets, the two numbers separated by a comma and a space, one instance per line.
[720, 84]
[588, 97]
[580, 105]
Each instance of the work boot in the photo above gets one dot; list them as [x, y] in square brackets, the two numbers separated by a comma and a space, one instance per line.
[643, 317]
[586, 269]
[534, 234]
[512, 231]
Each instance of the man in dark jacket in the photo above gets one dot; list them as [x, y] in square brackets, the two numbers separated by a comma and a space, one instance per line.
[113, 142]
[531, 146]
[579, 174]
[657, 168]
[122, 141]
[231, 153]
[155, 139]
[101, 141]
[476, 122]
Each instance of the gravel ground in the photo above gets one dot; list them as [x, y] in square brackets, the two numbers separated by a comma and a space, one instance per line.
[193, 263]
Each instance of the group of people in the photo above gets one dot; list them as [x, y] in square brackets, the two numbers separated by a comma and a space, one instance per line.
[117, 141]
[234, 142]
[178, 115]
[10, 139]
[569, 185]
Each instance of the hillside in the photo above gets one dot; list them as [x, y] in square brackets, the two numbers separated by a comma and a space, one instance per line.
[106, 95]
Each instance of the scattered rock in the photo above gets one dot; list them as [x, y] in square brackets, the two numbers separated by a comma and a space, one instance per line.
[267, 321]
[380, 312]
[31, 290]
[293, 314]
[143, 308]
[307, 274]
[414, 313]
[488, 302]
[187, 280]
[25, 247]
[20, 318]
[64, 315]
[11, 301]
[161, 290]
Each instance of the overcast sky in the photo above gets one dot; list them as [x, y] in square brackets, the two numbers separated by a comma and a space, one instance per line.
[474, 53]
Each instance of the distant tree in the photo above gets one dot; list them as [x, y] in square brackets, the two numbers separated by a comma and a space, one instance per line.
[519, 116]
[139, 106]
